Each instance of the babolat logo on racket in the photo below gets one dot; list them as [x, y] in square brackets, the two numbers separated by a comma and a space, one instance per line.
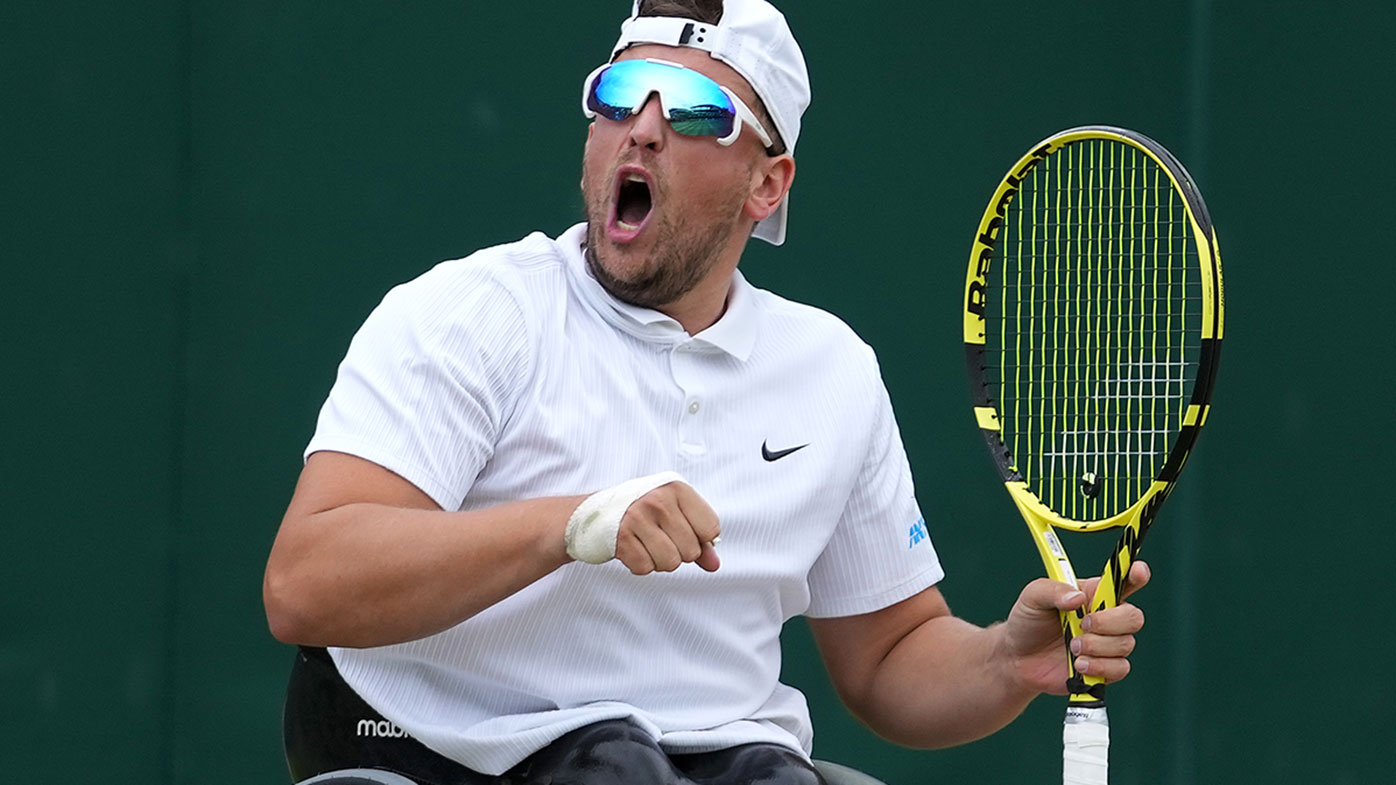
[989, 231]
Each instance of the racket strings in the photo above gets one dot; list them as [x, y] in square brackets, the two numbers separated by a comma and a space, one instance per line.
[1092, 328]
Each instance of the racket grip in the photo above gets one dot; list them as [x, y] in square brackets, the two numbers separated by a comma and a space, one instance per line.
[1085, 747]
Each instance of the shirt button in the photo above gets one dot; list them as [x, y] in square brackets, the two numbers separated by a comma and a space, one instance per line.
[694, 407]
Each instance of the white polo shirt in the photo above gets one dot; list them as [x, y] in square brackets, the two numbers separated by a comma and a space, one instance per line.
[512, 374]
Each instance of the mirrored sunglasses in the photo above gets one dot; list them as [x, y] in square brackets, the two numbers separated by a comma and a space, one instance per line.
[693, 104]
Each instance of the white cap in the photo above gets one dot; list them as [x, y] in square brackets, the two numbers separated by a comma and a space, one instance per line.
[753, 38]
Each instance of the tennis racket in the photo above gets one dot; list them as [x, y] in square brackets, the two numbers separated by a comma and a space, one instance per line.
[1093, 325]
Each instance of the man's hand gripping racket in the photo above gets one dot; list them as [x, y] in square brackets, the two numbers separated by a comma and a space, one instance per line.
[1092, 325]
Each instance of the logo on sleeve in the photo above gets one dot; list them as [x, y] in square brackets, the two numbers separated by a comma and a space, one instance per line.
[918, 533]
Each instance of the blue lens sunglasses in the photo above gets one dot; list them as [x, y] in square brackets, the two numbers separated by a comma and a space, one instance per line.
[693, 104]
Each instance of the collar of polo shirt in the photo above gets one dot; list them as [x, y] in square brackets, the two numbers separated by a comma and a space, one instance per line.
[734, 333]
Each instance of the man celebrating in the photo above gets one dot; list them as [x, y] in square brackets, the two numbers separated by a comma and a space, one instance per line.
[565, 492]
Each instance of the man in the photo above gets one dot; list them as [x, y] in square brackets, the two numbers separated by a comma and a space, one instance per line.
[564, 493]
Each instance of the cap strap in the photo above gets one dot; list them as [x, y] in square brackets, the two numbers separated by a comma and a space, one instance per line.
[670, 31]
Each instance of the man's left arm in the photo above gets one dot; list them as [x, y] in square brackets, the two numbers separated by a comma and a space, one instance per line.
[921, 677]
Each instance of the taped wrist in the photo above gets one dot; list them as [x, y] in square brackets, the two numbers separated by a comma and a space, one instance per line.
[595, 524]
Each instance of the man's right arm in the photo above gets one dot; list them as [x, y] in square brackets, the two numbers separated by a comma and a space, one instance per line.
[365, 558]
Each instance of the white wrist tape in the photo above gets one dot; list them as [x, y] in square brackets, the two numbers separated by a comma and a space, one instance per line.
[595, 524]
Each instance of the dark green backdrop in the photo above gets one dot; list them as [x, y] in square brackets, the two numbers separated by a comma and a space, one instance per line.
[201, 201]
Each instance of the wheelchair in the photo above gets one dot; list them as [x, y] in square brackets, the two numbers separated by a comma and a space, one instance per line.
[833, 774]
[317, 692]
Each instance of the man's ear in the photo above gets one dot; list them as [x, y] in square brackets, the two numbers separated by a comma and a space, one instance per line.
[770, 183]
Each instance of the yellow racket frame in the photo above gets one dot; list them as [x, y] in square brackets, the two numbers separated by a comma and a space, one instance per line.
[1088, 691]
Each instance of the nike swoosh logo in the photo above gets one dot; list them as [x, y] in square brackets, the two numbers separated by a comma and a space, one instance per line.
[778, 454]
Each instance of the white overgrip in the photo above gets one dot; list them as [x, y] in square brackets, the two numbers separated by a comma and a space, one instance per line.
[1085, 747]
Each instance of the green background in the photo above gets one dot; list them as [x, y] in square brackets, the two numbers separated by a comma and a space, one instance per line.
[201, 202]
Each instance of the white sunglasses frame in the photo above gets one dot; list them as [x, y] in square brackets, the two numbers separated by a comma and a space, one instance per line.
[744, 113]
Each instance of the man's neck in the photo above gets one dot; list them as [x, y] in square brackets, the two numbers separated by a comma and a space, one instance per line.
[703, 305]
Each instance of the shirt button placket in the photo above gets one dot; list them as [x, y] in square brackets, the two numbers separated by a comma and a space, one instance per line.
[684, 363]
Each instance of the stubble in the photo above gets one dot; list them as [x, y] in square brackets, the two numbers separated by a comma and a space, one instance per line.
[685, 244]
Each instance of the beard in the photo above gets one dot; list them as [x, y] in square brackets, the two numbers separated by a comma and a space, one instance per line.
[685, 244]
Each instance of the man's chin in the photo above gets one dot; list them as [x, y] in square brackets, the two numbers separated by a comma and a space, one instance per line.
[652, 272]
[604, 257]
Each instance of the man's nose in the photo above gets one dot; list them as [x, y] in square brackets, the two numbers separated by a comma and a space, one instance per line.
[647, 127]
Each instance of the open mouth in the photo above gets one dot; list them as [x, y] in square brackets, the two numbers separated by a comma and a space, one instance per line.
[634, 201]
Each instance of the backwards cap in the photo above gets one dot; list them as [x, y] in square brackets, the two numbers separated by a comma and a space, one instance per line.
[753, 38]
